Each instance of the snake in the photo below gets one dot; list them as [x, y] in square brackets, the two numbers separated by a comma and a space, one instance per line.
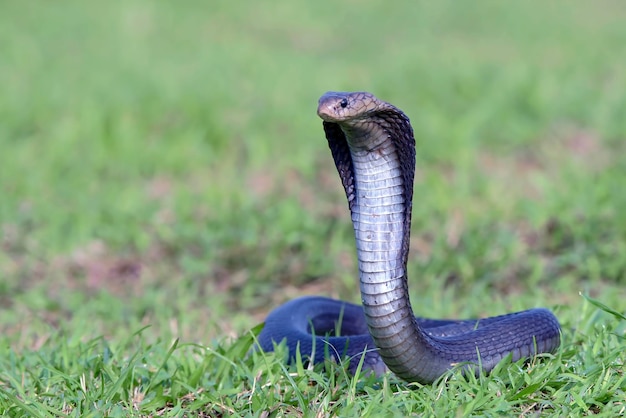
[373, 147]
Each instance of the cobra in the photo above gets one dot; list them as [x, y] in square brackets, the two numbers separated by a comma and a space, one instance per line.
[373, 147]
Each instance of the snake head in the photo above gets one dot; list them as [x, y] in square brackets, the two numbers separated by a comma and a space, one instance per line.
[343, 107]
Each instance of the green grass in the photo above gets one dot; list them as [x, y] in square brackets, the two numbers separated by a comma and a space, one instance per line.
[165, 182]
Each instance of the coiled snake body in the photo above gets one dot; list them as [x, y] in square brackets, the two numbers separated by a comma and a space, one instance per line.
[373, 147]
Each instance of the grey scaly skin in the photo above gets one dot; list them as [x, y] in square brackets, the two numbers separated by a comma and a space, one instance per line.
[373, 147]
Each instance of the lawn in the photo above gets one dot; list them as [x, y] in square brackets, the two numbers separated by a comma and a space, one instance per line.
[165, 182]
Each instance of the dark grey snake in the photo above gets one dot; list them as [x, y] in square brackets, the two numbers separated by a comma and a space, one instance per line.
[373, 147]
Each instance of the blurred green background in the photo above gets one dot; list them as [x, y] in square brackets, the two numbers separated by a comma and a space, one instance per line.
[161, 163]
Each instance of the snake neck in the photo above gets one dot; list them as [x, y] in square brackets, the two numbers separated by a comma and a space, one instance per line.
[379, 216]
[382, 169]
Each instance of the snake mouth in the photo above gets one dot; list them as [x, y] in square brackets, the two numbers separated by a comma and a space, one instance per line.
[329, 105]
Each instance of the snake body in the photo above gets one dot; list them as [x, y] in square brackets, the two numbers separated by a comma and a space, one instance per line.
[373, 148]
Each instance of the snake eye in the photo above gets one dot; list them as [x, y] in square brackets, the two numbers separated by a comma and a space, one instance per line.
[343, 103]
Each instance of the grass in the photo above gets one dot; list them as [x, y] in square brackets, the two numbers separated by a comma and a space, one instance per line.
[165, 183]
